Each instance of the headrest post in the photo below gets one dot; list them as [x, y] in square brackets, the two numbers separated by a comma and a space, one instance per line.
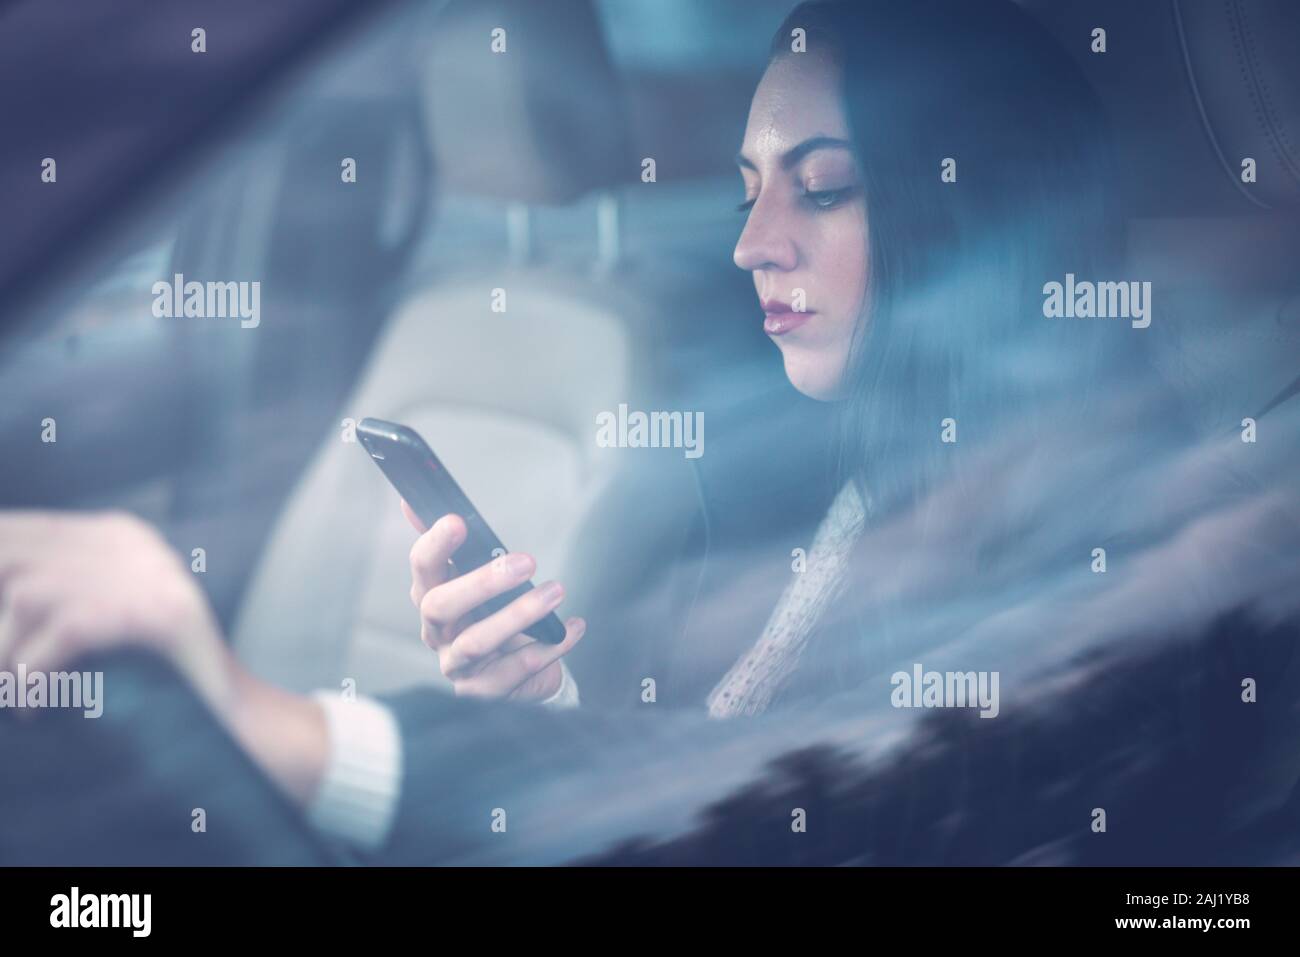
[519, 233]
[609, 239]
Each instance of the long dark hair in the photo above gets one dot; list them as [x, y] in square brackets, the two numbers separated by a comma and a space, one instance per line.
[953, 320]
[954, 326]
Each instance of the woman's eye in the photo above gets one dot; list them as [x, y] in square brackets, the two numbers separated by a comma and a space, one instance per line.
[826, 198]
[818, 198]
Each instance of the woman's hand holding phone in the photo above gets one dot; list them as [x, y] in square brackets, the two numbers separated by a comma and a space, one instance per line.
[491, 656]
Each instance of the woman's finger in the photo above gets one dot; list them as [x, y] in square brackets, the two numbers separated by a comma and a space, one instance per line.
[55, 643]
[515, 641]
[414, 519]
[504, 674]
[25, 604]
[458, 597]
[431, 552]
[489, 636]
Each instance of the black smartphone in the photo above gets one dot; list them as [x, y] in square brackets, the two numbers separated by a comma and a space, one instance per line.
[429, 489]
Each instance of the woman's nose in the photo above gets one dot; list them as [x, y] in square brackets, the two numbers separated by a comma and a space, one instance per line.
[765, 242]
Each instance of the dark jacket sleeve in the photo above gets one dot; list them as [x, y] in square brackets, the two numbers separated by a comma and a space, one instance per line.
[1160, 740]
[493, 782]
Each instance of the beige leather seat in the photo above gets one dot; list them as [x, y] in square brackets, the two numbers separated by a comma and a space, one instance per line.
[508, 399]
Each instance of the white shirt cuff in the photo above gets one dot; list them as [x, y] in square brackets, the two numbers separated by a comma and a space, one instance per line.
[357, 798]
[566, 695]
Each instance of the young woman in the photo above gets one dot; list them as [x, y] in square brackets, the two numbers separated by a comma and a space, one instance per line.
[914, 174]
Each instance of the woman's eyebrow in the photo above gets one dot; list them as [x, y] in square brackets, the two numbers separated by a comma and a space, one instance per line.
[796, 153]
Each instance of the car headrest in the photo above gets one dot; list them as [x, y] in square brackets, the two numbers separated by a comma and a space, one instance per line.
[1244, 69]
[522, 101]
[1193, 88]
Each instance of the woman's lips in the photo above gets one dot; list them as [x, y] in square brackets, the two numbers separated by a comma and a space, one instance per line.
[777, 322]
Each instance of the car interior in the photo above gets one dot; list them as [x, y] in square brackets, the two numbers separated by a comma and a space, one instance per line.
[503, 270]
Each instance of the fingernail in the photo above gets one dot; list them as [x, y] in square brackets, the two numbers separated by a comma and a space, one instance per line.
[578, 627]
[551, 592]
[518, 564]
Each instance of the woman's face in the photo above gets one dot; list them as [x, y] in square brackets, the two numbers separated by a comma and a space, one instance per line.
[807, 227]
